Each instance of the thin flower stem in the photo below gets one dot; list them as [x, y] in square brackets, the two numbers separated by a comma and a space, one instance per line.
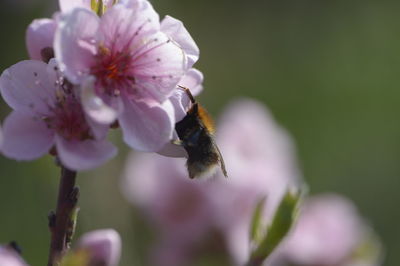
[61, 222]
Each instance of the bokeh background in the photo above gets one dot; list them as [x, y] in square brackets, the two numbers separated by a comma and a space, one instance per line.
[328, 70]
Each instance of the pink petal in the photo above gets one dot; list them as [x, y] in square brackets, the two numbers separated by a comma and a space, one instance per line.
[173, 150]
[9, 257]
[238, 244]
[179, 206]
[67, 5]
[26, 87]
[99, 131]
[147, 127]
[176, 30]
[193, 80]
[179, 99]
[95, 107]
[181, 103]
[39, 35]
[75, 43]
[141, 191]
[104, 246]
[158, 67]
[123, 28]
[169, 253]
[328, 230]
[84, 155]
[25, 137]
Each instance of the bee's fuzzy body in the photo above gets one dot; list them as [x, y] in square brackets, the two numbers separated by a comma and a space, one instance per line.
[195, 132]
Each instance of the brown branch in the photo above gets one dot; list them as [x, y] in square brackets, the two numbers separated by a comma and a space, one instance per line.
[60, 222]
[255, 261]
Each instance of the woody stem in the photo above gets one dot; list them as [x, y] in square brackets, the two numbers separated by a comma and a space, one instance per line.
[61, 223]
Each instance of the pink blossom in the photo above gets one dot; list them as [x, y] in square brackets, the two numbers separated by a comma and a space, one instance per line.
[128, 65]
[9, 257]
[103, 246]
[328, 232]
[47, 113]
[259, 158]
[40, 35]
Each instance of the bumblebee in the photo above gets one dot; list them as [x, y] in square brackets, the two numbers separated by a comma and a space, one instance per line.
[195, 132]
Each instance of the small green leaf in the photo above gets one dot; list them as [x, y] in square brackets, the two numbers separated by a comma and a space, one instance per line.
[76, 258]
[98, 7]
[72, 226]
[280, 226]
[370, 249]
[101, 8]
[93, 5]
[256, 222]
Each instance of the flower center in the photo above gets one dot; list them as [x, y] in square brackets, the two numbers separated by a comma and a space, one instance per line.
[68, 118]
[112, 71]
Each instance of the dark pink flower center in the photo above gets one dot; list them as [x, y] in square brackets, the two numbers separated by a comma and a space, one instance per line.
[68, 119]
[112, 71]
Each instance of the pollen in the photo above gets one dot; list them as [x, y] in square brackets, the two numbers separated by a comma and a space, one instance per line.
[112, 70]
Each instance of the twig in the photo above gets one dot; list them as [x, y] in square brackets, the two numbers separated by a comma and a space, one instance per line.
[60, 222]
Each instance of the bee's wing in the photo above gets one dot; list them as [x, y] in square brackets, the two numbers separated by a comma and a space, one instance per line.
[221, 159]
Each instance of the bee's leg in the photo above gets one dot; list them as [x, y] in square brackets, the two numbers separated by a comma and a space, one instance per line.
[189, 94]
[177, 142]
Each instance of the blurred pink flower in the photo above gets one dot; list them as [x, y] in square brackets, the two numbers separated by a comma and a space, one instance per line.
[45, 113]
[328, 232]
[128, 64]
[260, 160]
[9, 257]
[1, 137]
[104, 247]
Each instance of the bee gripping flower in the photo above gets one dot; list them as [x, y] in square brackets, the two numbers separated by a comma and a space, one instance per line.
[188, 211]
[47, 113]
[132, 66]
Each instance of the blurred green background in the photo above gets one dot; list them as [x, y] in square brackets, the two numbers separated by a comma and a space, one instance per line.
[328, 70]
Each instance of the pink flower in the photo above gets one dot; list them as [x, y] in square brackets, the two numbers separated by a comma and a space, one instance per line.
[128, 64]
[328, 232]
[103, 246]
[9, 257]
[40, 35]
[259, 158]
[47, 113]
